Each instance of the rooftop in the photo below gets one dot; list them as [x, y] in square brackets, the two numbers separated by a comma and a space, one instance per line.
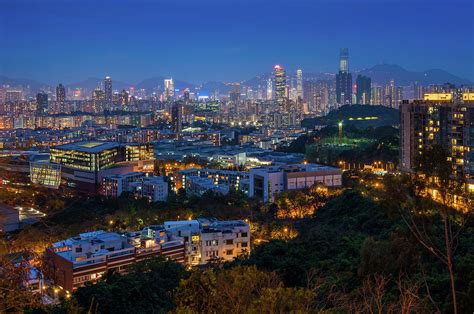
[88, 146]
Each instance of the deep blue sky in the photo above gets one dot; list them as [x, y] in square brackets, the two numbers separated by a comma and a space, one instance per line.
[66, 40]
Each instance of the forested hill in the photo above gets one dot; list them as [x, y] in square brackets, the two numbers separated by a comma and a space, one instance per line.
[358, 115]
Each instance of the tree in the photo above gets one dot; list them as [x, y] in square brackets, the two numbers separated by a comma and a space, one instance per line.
[147, 287]
[233, 290]
[14, 295]
[432, 191]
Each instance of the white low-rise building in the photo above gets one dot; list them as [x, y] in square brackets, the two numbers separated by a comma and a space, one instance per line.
[208, 240]
[267, 182]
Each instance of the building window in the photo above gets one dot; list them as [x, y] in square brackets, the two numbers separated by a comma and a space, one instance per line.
[229, 242]
[78, 250]
[244, 234]
[230, 252]
[244, 244]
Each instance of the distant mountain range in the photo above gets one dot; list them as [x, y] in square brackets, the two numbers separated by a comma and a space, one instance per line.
[381, 74]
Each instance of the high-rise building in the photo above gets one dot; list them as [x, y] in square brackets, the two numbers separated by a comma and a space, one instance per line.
[42, 103]
[299, 84]
[316, 96]
[177, 117]
[393, 95]
[344, 79]
[108, 90]
[281, 94]
[446, 119]
[60, 94]
[269, 89]
[363, 90]
[123, 98]
[377, 96]
[418, 91]
[186, 96]
[98, 99]
[234, 94]
[168, 93]
[344, 60]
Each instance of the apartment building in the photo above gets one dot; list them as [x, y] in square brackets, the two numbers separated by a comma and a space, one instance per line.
[446, 119]
[85, 258]
[237, 180]
[116, 184]
[209, 239]
[267, 182]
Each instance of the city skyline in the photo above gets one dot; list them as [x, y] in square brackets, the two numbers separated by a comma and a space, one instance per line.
[148, 41]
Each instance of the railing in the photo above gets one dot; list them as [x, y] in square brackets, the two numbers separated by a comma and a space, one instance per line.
[103, 258]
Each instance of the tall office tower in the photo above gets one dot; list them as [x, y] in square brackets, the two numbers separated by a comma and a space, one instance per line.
[269, 89]
[363, 90]
[98, 99]
[418, 91]
[234, 94]
[316, 96]
[42, 103]
[60, 94]
[299, 83]
[344, 79]
[177, 117]
[168, 89]
[186, 96]
[377, 96]
[393, 95]
[280, 87]
[446, 119]
[123, 98]
[108, 90]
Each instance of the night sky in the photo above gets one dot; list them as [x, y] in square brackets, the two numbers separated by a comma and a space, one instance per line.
[69, 41]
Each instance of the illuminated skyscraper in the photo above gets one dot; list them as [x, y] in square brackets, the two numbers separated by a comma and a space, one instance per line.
[42, 103]
[344, 60]
[299, 83]
[98, 98]
[280, 87]
[177, 117]
[363, 91]
[418, 91]
[269, 89]
[169, 89]
[377, 96]
[393, 95]
[123, 98]
[344, 79]
[60, 94]
[108, 90]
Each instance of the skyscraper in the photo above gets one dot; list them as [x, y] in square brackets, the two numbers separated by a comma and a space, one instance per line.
[344, 79]
[108, 90]
[98, 99]
[280, 87]
[123, 98]
[377, 96]
[363, 90]
[168, 93]
[418, 91]
[177, 117]
[60, 94]
[42, 103]
[393, 95]
[269, 89]
[299, 84]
